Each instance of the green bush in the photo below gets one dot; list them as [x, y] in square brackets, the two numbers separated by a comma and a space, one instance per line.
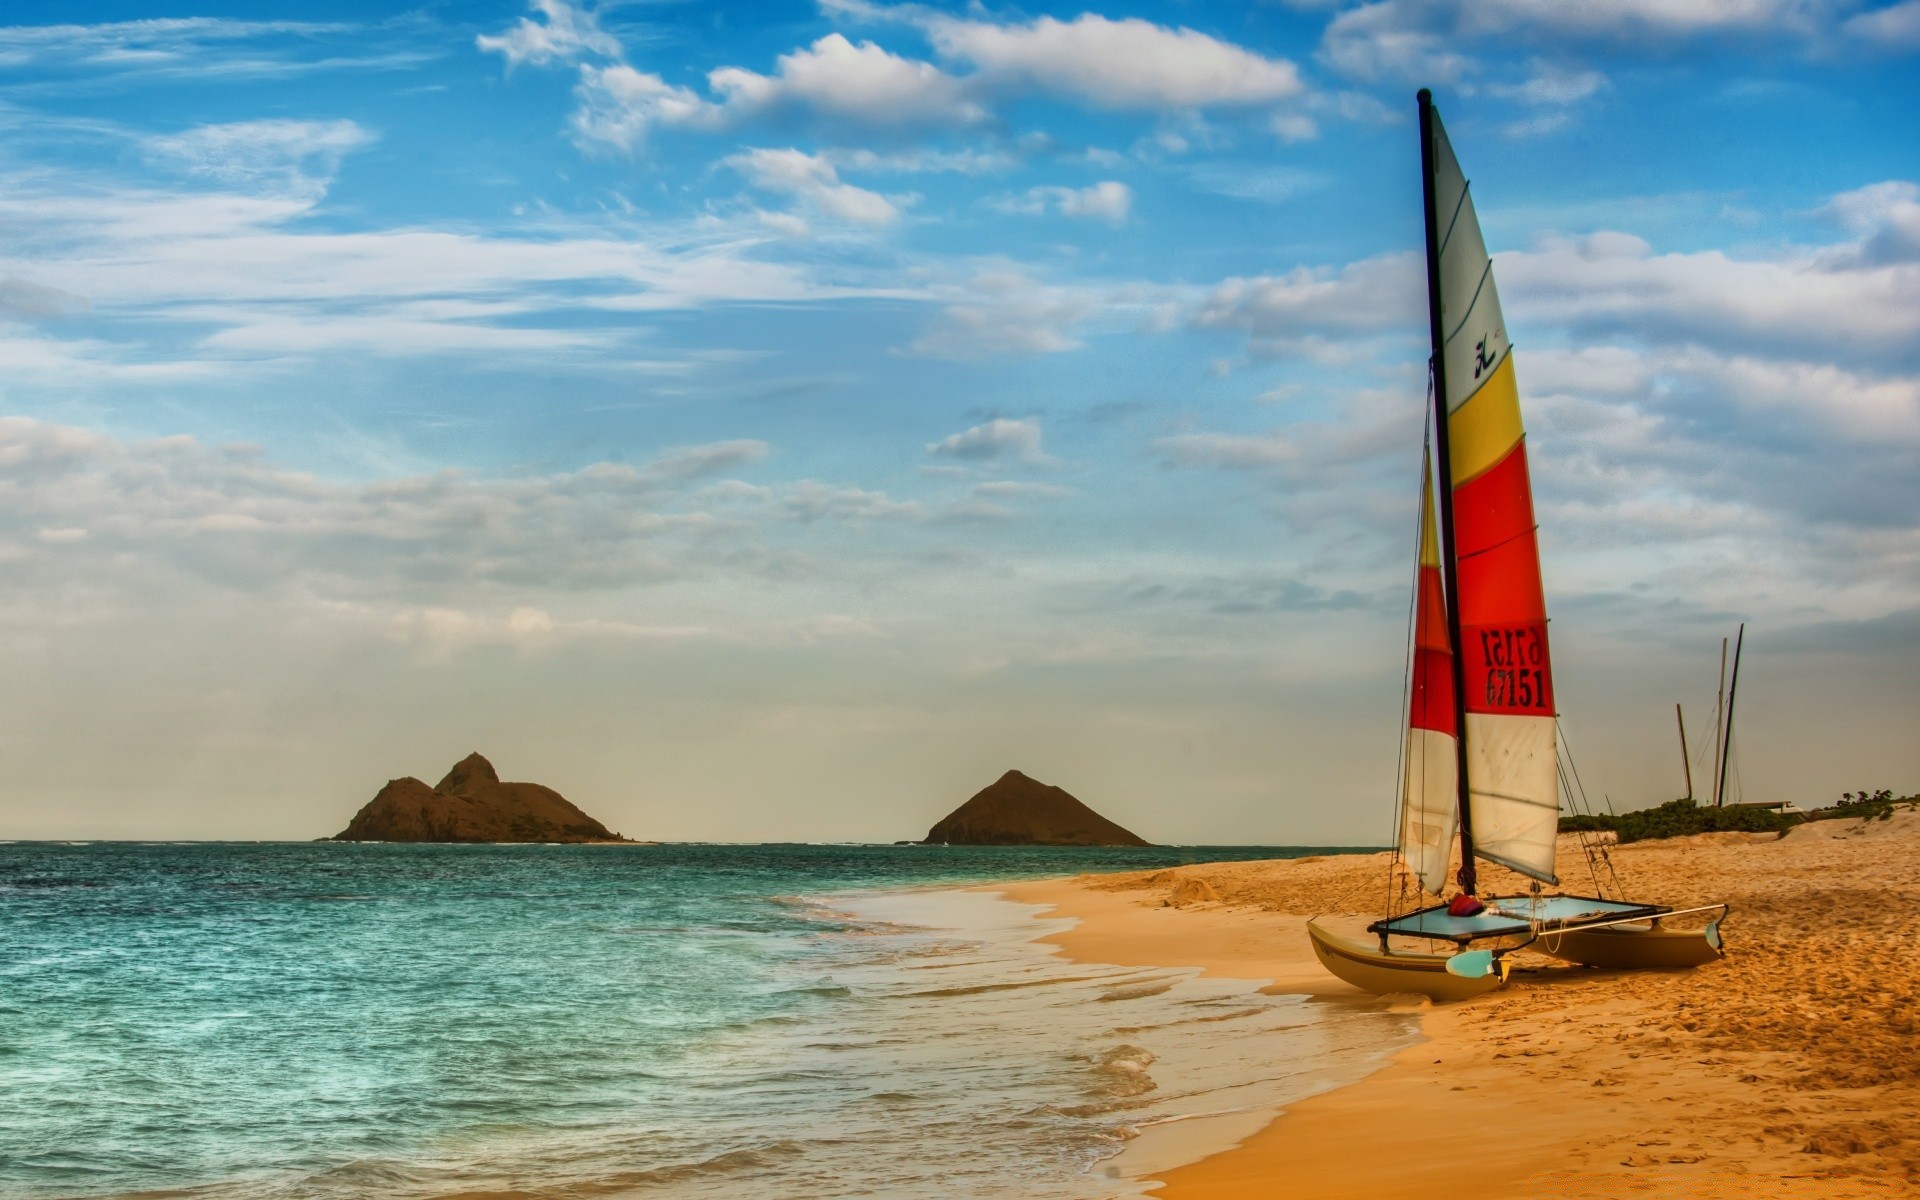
[1866, 806]
[1677, 818]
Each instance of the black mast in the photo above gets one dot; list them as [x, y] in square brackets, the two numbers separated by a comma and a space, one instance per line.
[1733, 689]
[1449, 566]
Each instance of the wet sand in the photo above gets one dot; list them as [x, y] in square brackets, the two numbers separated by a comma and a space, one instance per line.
[1791, 1068]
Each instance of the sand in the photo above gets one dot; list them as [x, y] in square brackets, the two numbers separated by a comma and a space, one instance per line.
[1791, 1068]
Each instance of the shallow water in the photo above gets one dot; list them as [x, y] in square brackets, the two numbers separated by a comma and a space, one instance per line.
[324, 1020]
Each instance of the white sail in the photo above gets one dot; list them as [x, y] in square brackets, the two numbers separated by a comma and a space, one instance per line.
[1430, 787]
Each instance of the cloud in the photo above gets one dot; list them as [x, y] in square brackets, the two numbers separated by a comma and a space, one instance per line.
[1378, 295]
[1128, 64]
[1425, 40]
[1257, 451]
[1124, 64]
[861, 84]
[810, 500]
[273, 154]
[247, 277]
[567, 35]
[1799, 303]
[1006, 313]
[996, 439]
[1555, 84]
[1107, 200]
[1893, 28]
[24, 300]
[812, 179]
[190, 49]
[442, 633]
[1886, 219]
[619, 107]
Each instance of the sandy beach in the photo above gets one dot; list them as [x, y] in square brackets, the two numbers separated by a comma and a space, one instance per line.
[1791, 1068]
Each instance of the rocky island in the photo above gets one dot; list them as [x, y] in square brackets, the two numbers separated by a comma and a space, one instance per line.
[1017, 810]
[471, 805]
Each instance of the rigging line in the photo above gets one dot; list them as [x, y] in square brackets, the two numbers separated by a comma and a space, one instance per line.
[1562, 742]
[1586, 848]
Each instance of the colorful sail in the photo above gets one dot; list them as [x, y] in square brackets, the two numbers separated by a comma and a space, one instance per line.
[1512, 770]
[1429, 789]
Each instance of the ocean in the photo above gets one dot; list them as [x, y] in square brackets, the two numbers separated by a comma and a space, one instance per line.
[326, 1020]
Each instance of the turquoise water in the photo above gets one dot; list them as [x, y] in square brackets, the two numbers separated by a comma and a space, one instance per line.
[327, 1020]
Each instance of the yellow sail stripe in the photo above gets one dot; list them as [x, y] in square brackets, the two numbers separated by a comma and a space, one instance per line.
[1481, 431]
[1429, 529]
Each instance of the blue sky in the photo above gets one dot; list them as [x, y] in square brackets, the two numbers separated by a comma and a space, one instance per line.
[776, 422]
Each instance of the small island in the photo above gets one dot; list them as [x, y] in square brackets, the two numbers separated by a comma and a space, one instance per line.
[1017, 810]
[471, 805]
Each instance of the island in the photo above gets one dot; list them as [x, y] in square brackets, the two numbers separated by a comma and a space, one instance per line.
[471, 805]
[1018, 810]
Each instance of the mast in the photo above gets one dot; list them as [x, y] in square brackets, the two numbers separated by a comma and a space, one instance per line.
[1684, 763]
[1719, 720]
[1449, 566]
[1733, 689]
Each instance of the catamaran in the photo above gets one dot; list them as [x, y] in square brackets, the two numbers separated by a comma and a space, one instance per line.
[1482, 755]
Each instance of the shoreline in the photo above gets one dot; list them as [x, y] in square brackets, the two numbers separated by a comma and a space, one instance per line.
[1779, 1071]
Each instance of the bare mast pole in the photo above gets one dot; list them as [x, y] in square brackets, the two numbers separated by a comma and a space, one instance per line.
[1720, 717]
[1685, 764]
[1449, 563]
[1726, 747]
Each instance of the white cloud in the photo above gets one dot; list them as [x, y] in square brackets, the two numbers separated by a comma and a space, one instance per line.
[1001, 437]
[1254, 451]
[1800, 303]
[292, 155]
[810, 500]
[439, 633]
[566, 35]
[245, 278]
[24, 300]
[1552, 83]
[812, 179]
[1885, 217]
[1895, 27]
[1006, 313]
[1107, 200]
[1374, 295]
[861, 83]
[911, 162]
[619, 107]
[1393, 40]
[1124, 64]
[1429, 40]
[195, 48]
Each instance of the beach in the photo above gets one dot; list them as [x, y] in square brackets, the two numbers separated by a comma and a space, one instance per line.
[1789, 1068]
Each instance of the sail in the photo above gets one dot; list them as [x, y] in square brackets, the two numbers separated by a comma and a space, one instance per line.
[1430, 785]
[1512, 770]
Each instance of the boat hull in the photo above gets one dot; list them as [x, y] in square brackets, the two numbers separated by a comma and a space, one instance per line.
[1369, 969]
[1635, 947]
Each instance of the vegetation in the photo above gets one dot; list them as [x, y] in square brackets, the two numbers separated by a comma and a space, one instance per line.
[1677, 818]
[1867, 806]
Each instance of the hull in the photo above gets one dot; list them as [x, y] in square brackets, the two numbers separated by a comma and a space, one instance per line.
[1629, 947]
[1365, 967]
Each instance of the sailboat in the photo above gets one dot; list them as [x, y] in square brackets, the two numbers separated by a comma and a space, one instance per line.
[1481, 768]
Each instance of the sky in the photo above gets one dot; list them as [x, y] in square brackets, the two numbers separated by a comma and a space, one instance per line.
[773, 422]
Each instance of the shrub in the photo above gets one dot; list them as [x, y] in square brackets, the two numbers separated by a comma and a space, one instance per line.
[1677, 818]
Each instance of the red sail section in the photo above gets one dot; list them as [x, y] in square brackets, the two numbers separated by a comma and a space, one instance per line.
[1431, 703]
[1503, 613]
